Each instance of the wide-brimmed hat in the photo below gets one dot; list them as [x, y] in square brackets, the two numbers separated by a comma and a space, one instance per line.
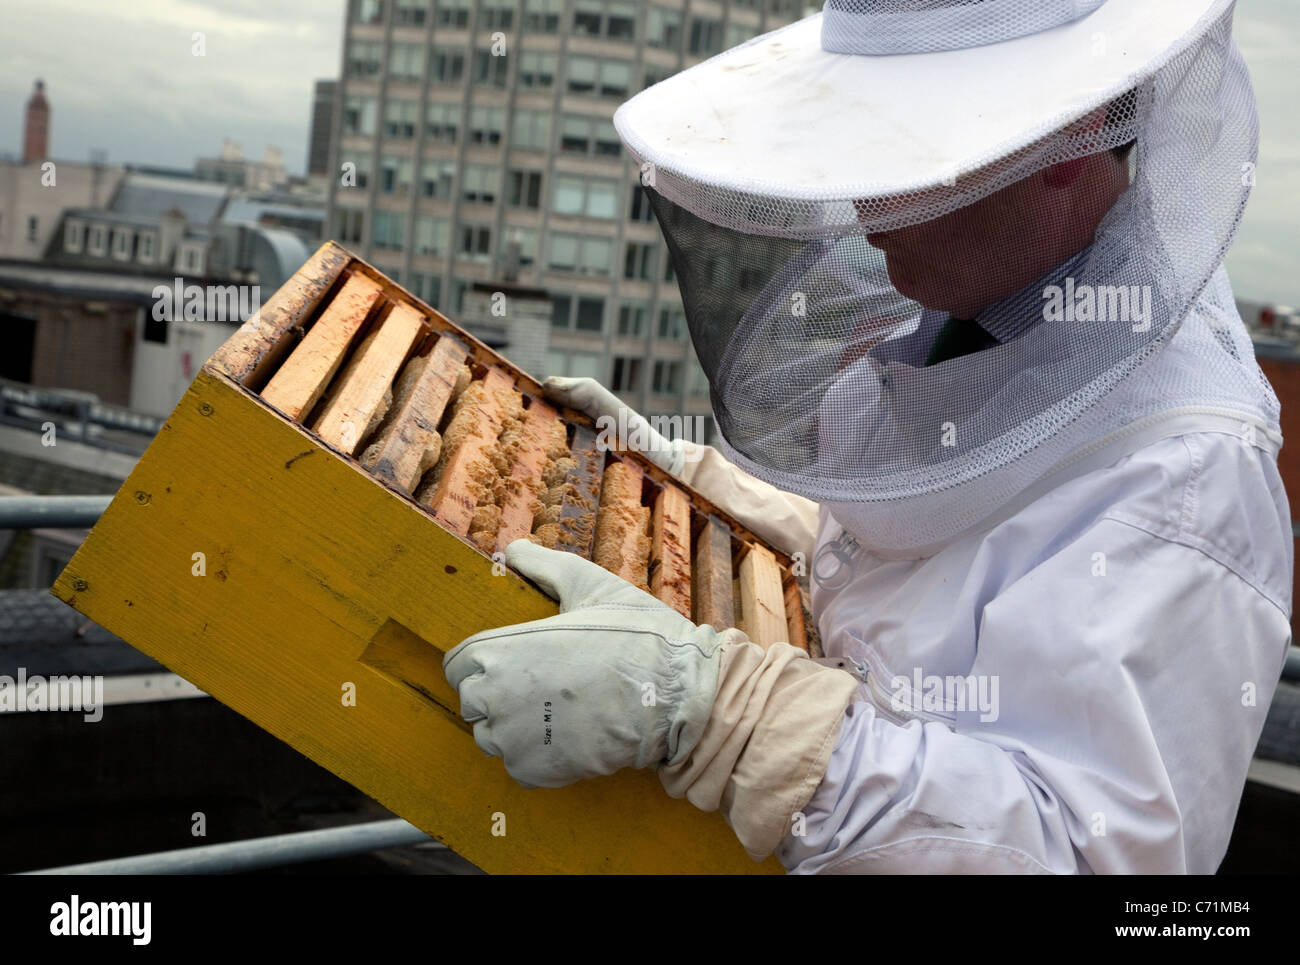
[890, 98]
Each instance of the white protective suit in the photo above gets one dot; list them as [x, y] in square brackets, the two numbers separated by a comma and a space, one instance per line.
[1134, 614]
[1060, 565]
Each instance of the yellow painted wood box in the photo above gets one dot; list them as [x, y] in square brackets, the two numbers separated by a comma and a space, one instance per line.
[327, 591]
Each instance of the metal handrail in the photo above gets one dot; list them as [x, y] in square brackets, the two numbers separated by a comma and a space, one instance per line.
[57, 512]
[272, 851]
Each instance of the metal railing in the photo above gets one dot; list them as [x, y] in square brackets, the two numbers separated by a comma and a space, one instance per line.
[58, 512]
[255, 854]
[85, 415]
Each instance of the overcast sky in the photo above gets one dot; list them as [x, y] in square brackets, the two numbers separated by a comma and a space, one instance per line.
[120, 76]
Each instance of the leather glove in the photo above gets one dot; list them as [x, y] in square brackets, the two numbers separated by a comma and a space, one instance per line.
[618, 679]
[783, 520]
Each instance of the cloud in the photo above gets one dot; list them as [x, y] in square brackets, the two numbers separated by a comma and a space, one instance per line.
[124, 76]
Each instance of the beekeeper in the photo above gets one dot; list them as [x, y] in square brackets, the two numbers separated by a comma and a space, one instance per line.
[954, 272]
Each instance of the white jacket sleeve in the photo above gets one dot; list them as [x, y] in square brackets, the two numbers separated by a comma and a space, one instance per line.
[1129, 705]
[783, 520]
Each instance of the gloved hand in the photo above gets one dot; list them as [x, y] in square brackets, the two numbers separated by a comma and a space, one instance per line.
[783, 520]
[618, 679]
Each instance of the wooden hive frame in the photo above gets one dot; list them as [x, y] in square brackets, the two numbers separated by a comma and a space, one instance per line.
[314, 587]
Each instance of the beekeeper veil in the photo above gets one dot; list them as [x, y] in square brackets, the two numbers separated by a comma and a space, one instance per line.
[928, 249]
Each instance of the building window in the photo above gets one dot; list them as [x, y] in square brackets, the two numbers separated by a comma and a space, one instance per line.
[367, 11]
[123, 244]
[426, 287]
[561, 311]
[672, 323]
[587, 18]
[365, 58]
[631, 319]
[395, 175]
[537, 70]
[400, 118]
[526, 238]
[74, 236]
[389, 230]
[573, 364]
[497, 15]
[582, 313]
[641, 210]
[638, 261]
[349, 225]
[591, 315]
[615, 19]
[453, 13]
[448, 64]
[410, 13]
[441, 122]
[620, 21]
[97, 240]
[604, 78]
[530, 130]
[627, 374]
[615, 78]
[406, 62]
[489, 69]
[663, 28]
[436, 178]
[592, 136]
[706, 36]
[579, 254]
[475, 242]
[146, 248]
[667, 378]
[33, 225]
[431, 235]
[542, 16]
[359, 115]
[192, 260]
[525, 189]
[576, 195]
[486, 124]
[581, 78]
[478, 182]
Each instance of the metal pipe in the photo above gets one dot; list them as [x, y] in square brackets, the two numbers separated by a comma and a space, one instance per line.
[67, 512]
[269, 852]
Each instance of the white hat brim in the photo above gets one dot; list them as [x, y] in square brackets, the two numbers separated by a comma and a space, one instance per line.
[781, 117]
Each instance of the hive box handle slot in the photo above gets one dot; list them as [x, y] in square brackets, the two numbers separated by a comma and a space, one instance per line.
[406, 658]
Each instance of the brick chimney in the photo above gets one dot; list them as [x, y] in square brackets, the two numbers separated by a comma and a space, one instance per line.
[36, 128]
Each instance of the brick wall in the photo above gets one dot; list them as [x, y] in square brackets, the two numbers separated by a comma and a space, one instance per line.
[81, 344]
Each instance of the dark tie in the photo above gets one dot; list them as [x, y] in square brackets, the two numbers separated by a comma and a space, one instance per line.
[958, 337]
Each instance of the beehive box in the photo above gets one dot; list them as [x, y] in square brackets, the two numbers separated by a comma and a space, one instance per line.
[319, 522]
